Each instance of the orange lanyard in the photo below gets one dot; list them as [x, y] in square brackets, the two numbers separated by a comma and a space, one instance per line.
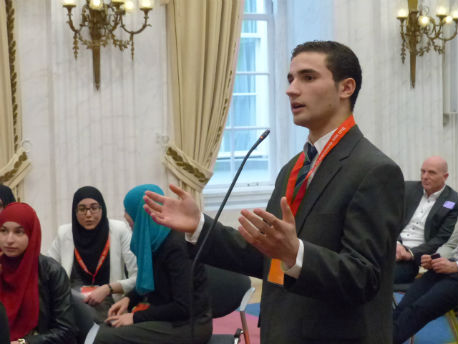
[102, 258]
[294, 202]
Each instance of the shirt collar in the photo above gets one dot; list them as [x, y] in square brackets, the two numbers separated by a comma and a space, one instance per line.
[321, 142]
[434, 195]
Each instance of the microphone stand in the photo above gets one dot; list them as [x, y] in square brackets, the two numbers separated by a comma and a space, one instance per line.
[215, 220]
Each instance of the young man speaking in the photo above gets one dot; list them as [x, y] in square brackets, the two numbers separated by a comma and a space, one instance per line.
[325, 245]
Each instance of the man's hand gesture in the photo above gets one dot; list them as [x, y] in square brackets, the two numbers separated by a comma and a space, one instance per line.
[181, 214]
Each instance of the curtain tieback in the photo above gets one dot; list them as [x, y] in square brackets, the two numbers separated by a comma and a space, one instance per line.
[185, 168]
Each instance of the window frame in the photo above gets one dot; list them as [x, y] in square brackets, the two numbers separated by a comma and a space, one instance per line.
[253, 194]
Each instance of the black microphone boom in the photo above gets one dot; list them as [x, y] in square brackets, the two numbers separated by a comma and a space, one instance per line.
[228, 193]
[215, 220]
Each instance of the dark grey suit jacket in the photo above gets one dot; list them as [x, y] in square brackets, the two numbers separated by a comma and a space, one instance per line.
[440, 222]
[348, 221]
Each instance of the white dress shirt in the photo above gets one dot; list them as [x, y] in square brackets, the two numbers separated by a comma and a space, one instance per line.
[413, 233]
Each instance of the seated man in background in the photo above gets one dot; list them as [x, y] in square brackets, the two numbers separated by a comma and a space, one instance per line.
[430, 296]
[429, 217]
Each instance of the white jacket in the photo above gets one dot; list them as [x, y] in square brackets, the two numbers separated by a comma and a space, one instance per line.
[62, 250]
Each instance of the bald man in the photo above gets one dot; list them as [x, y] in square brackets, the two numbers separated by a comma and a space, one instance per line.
[430, 214]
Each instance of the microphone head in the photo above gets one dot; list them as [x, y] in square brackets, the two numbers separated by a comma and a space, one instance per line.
[264, 135]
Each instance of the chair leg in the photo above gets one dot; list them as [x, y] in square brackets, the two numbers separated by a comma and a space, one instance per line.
[453, 323]
[246, 333]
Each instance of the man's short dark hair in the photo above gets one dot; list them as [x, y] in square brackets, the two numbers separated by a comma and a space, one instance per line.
[340, 60]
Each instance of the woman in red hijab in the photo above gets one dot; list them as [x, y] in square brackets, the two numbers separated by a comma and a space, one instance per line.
[33, 288]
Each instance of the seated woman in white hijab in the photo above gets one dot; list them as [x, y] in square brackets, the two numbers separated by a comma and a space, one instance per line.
[95, 252]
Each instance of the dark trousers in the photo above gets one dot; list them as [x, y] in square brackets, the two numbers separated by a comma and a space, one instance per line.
[156, 332]
[428, 298]
[405, 271]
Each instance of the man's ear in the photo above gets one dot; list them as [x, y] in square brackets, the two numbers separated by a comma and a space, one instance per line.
[347, 87]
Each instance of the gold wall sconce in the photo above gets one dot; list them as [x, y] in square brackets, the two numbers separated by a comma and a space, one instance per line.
[421, 32]
[99, 21]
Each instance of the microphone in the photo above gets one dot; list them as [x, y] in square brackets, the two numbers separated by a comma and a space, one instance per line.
[215, 220]
[228, 193]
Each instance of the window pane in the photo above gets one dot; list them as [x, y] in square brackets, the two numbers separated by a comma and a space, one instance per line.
[249, 112]
[226, 146]
[222, 174]
[250, 108]
[245, 84]
[243, 111]
[254, 6]
[253, 47]
[257, 168]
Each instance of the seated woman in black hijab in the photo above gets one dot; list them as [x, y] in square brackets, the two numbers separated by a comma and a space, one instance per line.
[6, 196]
[95, 252]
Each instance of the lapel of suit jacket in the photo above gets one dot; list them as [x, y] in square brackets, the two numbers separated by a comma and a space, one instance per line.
[413, 202]
[436, 207]
[325, 173]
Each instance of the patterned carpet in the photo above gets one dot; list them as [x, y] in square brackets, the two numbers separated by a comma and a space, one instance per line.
[436, 332]
[231, 322]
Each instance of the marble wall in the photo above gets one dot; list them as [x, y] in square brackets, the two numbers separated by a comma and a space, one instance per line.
[78, 136]
[406, 123]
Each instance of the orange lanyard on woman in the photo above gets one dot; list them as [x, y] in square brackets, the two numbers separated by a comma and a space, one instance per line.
[102, 258]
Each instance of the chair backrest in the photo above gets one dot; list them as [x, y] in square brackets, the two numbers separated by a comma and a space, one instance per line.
[226, 289]
[4, 327]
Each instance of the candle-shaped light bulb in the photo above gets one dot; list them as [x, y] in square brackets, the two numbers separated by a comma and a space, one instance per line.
[423, 20]
[146, 4]
[403, 13]
[129, 6]
[69, 3]
[441, 11]
[448, 19]
[96, 4]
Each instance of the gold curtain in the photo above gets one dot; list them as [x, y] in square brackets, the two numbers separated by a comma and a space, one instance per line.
[203, 38]
[13, 159]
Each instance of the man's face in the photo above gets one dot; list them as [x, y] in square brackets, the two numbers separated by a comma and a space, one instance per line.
[312, 91]
[433, 175]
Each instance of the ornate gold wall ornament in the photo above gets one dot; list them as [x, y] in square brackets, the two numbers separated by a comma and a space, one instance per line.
[101, 19]
[421, 32]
